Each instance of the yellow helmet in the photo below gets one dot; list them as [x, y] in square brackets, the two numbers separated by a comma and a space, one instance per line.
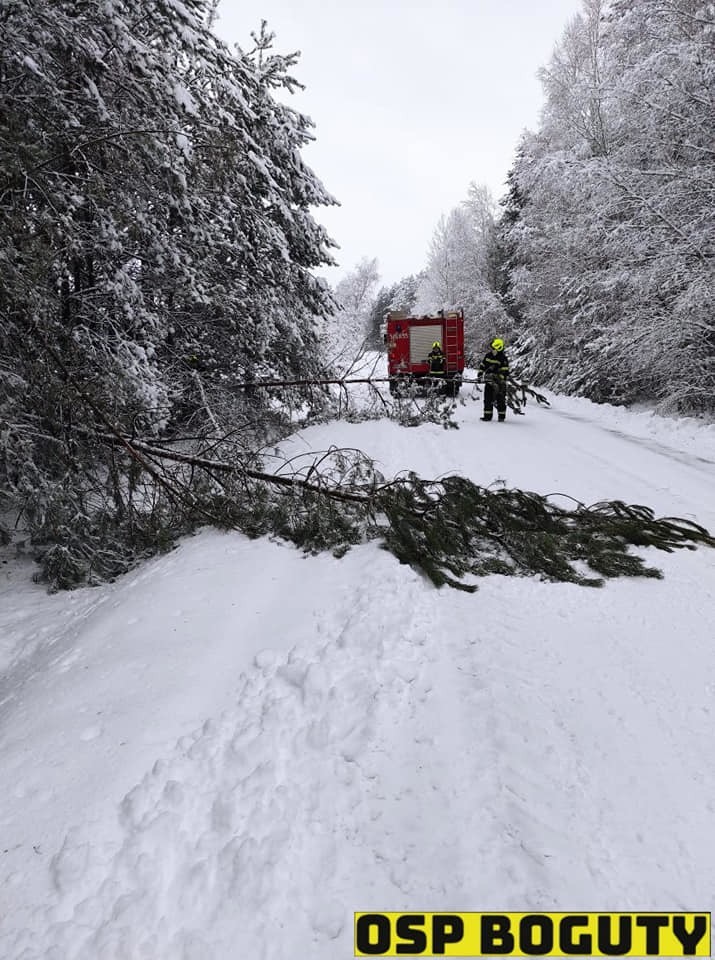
[436, 344]
[497, 344]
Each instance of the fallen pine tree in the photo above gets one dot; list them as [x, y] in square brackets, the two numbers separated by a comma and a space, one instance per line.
[94, 524]
[517, 392]
[451, 530]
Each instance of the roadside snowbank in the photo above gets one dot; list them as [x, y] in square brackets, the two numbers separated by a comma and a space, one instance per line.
[687, 434]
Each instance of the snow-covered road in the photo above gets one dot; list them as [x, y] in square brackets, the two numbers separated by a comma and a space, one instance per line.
[231, 750]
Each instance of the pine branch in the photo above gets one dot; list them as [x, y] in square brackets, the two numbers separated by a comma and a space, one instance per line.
[448, 529]
[220, 466]
[456, 528]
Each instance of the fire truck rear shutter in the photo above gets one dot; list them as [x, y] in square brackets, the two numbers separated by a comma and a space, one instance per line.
[421, 340]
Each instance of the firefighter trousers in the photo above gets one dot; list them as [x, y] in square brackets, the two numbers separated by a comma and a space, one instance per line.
[495, 396]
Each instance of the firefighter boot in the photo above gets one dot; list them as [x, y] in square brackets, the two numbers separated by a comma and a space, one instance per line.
[487, 415]
[502, 417]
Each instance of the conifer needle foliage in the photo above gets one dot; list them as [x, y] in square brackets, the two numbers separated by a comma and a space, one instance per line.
[451, 530]
[455, 528]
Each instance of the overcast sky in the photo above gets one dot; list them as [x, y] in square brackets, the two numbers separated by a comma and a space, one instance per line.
[412, 100]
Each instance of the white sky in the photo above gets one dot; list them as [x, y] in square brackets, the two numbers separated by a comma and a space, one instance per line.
[411, 101]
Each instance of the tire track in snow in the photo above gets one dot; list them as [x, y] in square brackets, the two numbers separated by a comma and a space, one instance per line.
[647, 463]
[679, 456]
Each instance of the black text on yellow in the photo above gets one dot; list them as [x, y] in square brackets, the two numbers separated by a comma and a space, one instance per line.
[532, 934]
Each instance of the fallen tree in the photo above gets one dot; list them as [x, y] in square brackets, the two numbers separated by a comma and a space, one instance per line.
[516, 391]
[94, 523]
[451, 530]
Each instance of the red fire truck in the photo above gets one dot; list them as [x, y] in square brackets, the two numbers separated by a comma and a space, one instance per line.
[409, 340]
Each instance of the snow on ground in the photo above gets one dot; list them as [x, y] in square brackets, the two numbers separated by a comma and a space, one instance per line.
[230, 750]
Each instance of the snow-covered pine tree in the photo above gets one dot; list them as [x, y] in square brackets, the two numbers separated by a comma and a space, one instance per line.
[396, 296]
[405, 293]
[382, 303]
[347, 330]
[156, 243]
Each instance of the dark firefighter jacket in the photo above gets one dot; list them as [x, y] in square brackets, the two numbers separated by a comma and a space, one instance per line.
[495, 366]
[436, 360]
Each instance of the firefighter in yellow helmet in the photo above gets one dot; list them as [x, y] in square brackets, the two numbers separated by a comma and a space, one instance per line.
[437, 360]
[495, 368]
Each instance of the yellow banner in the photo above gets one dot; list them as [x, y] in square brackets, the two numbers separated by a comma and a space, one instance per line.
[532, 934]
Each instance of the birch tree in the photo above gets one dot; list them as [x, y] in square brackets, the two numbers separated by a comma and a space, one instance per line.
[611, 247]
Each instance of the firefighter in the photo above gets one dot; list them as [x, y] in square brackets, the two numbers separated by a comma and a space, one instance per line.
[436, 360]
[495, 368]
